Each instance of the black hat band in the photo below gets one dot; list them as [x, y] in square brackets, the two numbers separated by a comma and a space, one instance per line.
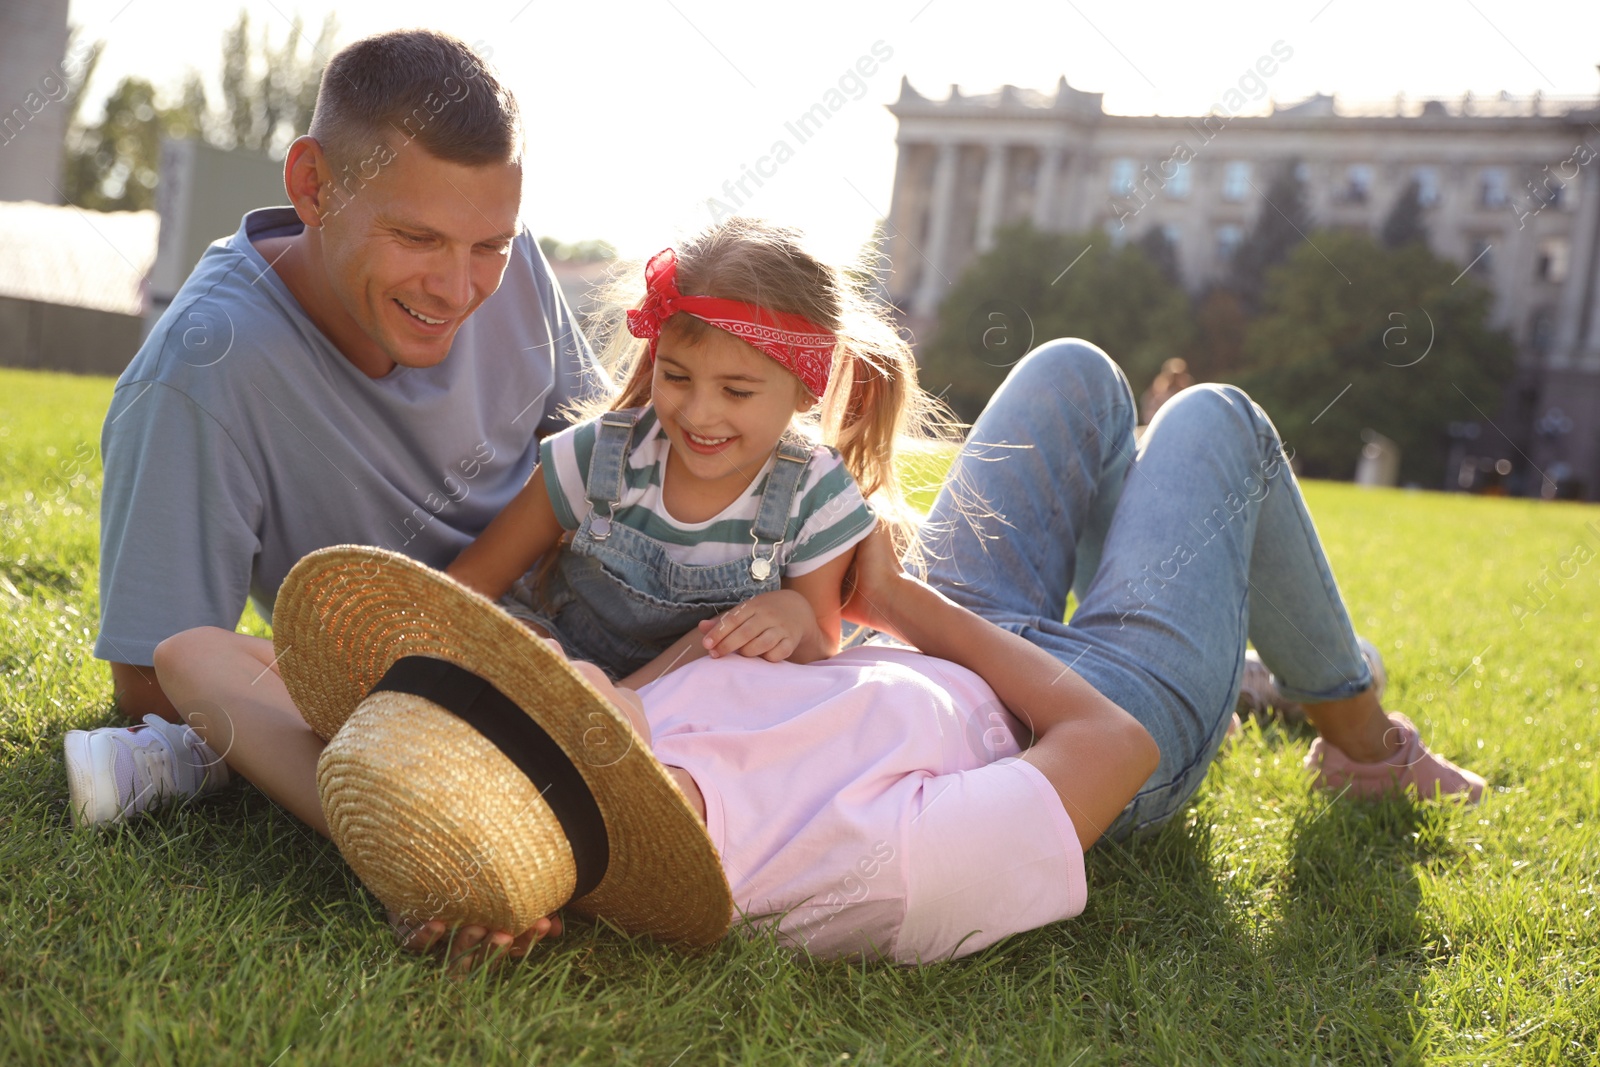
[524, 742]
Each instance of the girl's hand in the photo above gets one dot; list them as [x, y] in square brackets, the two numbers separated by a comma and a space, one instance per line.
[467, 947]
[770, 625]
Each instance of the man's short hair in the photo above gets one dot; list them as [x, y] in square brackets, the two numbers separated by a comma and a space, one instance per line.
[417, 86]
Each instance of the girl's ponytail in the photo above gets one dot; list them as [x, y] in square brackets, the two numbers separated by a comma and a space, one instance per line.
[882, 422]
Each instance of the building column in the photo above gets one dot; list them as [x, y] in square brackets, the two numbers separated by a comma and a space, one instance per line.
[931, 286]
[1576, 293]
[991, 199]
[902, 213]
[1077, 210]
[1044, 190]
[902, 179]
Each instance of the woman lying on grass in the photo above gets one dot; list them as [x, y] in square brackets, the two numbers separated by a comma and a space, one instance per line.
[925, 804]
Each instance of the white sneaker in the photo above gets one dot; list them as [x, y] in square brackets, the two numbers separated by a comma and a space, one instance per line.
[119, 771]
[1258, 689]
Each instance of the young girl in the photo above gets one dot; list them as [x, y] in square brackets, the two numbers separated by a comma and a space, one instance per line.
[763, 394]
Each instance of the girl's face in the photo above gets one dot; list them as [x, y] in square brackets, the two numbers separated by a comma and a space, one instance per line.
[723, 405]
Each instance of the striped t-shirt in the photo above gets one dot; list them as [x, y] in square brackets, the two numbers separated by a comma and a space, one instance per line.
[827, 518]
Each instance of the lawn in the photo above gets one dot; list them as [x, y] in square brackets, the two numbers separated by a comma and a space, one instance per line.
[1267, 925]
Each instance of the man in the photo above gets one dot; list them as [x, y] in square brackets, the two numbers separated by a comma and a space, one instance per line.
[372, 365]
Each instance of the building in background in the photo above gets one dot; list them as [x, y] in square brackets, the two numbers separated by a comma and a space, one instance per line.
[33, 85]
[1510, 186]
[72, 286]
[80, 289]
[202, 196]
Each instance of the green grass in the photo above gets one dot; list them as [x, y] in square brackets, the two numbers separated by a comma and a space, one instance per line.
[1265, 926]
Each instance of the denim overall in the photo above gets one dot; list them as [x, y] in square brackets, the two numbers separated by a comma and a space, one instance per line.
[617, 600]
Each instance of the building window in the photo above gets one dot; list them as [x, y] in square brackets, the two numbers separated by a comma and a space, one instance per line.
[1551, 191]
[1116, 231]
[1492, 188]
[1551, 263]
[1357, 184]
[1546, 188]
[1182, 181]
[1541, 331]
[1427, 179]
[1228, 238]
[1124, 172]
[1028, 174]
[1236, 181]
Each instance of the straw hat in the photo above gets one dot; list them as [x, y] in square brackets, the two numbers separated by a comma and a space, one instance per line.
[532, 794]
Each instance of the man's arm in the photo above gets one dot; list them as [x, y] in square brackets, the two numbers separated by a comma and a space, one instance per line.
[1094, 753]
[177, 534]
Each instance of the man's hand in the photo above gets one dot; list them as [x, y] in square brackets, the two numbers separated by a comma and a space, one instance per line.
[467, 947]
[770, 625]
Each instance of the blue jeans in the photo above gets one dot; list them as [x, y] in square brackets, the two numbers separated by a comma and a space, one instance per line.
[1179, 547]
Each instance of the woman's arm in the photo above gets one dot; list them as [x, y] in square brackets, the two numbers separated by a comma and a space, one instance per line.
[1095, 754]
[524, 530]
[686, 649]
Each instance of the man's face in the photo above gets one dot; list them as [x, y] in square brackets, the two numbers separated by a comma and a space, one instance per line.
[412, 252]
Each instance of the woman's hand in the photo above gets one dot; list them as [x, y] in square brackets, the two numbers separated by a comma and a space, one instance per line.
[467, 947]
[875, 583]
[770, 625]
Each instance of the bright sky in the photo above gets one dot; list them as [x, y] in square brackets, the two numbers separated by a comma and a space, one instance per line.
[639, 111]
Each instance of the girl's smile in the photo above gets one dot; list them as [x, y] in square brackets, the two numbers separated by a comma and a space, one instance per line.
[723, 406]
[708, 445]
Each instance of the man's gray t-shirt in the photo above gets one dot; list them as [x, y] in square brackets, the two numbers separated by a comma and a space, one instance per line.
[239, 439]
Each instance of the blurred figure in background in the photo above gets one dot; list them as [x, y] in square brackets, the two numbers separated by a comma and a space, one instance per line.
[1173, 379]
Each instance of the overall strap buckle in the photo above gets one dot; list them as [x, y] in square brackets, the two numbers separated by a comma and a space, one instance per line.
[607, 468]
[777, 502]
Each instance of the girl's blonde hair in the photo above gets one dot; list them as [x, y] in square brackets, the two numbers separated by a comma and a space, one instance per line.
[873, 412]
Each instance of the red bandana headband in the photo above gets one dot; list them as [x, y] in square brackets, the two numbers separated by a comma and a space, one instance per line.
[792, 341]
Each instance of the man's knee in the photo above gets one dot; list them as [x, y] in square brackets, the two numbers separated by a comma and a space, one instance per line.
[1216, 410]
[1075, 369]
[1070, 359]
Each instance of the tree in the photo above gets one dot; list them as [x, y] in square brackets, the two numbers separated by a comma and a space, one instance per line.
[267, 95]
[113, 165]
[80, 75]
[1220, 324]
[268, 92]
[1159, 249]
[1031, 287]
[1381, 341]
[1281, 224]
[589, 250]
[1404, 223]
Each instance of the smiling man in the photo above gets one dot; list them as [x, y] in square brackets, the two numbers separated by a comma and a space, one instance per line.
[373, 365]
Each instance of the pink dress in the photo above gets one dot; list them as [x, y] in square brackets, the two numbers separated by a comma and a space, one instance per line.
[870, 805]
